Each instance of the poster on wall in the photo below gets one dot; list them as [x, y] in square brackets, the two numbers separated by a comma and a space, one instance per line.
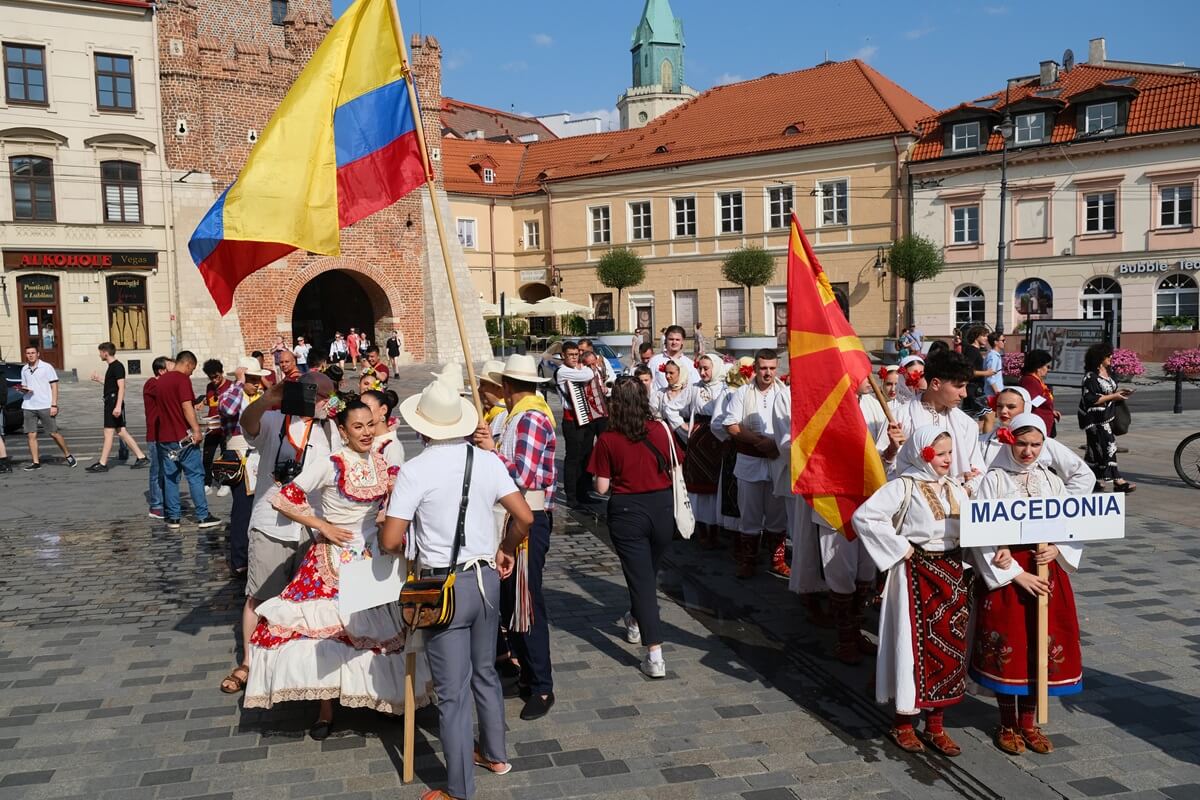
[1035, 298]
[1066, 340]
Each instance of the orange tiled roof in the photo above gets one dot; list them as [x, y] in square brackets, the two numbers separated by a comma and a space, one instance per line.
[459, 118]
[828, 104]
[1160, 101]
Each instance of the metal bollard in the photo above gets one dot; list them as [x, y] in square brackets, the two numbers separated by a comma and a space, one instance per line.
[1178, 393]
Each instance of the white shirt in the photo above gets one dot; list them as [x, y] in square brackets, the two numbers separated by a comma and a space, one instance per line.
[963, 430]
[264, 517]
[301, 353]
[38, 379]
[687, 370]
[429, 491]
[753, 410]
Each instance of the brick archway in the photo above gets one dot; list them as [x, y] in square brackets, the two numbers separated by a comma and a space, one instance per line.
[386, 303]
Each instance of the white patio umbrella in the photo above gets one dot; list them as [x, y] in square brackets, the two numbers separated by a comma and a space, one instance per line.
[512, 308]
[558, 307]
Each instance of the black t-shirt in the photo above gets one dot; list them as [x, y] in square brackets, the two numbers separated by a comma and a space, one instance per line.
[393, 347]
[116, 372]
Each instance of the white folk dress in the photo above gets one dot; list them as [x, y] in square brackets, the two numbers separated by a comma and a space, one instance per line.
[303, 647]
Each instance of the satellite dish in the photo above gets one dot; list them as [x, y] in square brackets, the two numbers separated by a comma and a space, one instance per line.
[1068, 60]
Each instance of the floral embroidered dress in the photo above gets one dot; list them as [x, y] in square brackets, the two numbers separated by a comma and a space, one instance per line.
[303, 647]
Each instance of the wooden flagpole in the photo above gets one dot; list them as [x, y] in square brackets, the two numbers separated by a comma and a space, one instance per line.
[431, 185]
[879, 395]
[1043, 647]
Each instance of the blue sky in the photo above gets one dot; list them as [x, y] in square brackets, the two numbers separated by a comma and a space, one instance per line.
[545, 56]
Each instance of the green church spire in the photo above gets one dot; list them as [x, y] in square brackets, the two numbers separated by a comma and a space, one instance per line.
[657, 48]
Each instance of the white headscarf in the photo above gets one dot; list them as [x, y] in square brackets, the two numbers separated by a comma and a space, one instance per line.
[909, 460]
[1004, 459]
[904, 362]
[719, 368]
[1020, 391]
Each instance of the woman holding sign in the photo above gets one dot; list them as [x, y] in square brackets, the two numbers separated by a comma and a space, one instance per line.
[1010, 403]
[305, 647]
[1004, 656]
[910, 529]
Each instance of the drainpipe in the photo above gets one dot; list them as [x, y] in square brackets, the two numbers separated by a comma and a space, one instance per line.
[555, 286]
[492, 244]
[896, 211]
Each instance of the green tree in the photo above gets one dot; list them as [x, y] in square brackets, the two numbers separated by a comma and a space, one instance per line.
[619, 269]
[749, 267]
[914, 258]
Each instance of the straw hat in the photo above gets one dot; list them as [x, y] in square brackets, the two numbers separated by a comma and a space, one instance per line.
[492, 371]
[451, 377]
[522, 368]
[439, 413]
[251, 367]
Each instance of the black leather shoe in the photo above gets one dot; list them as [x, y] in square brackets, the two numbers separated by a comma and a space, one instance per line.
[321, 730]
[537, 707]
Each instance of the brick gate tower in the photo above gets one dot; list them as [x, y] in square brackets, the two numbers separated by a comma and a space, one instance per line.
[225, 66]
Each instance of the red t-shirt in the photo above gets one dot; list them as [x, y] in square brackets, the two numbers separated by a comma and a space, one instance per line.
[632, 466]
[174, 389]
[150, 403]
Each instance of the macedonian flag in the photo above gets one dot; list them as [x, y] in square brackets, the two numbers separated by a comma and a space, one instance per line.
[834, 461]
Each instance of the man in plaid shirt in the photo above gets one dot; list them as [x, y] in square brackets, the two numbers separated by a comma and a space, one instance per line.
[526, 447]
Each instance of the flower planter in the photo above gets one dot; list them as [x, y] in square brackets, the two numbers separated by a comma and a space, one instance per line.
[749, 344]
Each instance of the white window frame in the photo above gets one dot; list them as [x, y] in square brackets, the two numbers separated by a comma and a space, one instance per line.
[1176, 192]
[694, 223]
[595, 214]
[966, 224]
[473, 226]
[636, 234]
[962, 300]
[1038, 117]
[1181, 285]
[1094, 123]
[1100, 203]
[965, 128]
[737, 212]
[489, 175]
[533, 235]
[785, 216]
[824, 193]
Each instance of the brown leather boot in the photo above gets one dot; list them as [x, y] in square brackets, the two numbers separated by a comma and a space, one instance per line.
[813, 610]
[747, 556]
[862, 597]
[846, 650]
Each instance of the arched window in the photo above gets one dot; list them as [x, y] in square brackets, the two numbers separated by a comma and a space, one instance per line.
[666, 75]
[968, 306]
[32, 181]
[1102, 300]
[1178, 300]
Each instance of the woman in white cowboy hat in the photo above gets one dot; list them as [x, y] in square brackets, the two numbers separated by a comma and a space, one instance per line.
[422, 521]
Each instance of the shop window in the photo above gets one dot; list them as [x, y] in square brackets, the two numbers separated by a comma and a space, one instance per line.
[32, 188]
[128, 319]
[968, 306]
[121, 182]
[1178, 301]
[1102, 300]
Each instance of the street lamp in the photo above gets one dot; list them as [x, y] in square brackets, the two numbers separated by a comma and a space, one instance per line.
[1005, 129]
[881, 260]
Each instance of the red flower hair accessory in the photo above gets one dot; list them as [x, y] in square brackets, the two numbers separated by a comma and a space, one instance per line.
[746, 371]
[883, 373]
[913, 379]
[662, 367]
[928, 453]
[1005, 436]
[991, 401]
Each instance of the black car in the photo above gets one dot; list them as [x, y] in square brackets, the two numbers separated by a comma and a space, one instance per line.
[13, 416]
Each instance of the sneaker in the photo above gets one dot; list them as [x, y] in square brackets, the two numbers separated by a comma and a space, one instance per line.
[5, 466]
[208, 522]
[207, 491]
[97, 467]
[156, 513]
[71, 462]
[633, 634]
[31, 466]
[140, 463]
[173, 523]
[223, 491]
[653, 669]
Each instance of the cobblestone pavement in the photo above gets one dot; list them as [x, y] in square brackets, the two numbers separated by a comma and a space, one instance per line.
[114, 634]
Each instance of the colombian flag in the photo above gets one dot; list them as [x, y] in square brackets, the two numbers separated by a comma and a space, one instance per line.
[834, 461]
[341, 146]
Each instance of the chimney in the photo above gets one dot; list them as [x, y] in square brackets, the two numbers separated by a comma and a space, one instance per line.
[1049, 73]
[1097, 53]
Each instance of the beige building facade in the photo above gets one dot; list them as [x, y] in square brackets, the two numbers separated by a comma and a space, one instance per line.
[85, 223]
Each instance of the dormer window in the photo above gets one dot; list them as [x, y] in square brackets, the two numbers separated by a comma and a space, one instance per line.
[965, 137]
[489, 175]
[1030, 128]
[1101, 117]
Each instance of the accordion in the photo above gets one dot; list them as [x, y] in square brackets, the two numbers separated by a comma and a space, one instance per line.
[587, 400]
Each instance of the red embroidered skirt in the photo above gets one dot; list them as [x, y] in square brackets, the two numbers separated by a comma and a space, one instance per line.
[1004, 656]
[938, 612]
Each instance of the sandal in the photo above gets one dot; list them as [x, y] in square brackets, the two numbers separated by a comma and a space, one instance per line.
[495, 767]
[1009, 740]
[906, 739]
[1125, 486]
[235, 682]
[942, 742]
[1037, 741]
[436, 794]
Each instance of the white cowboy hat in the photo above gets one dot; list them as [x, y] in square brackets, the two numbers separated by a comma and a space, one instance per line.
[439, 413]
[522, 368]
[451, 377]
[251, 366]
[492, 371]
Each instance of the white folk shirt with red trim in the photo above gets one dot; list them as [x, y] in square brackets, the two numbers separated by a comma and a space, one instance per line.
[753, 410]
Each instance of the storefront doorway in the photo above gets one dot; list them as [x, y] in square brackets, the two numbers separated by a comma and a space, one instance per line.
[39, 317]
[333, 301]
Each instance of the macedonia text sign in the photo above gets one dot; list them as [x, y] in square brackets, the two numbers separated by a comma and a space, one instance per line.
[1031, 520]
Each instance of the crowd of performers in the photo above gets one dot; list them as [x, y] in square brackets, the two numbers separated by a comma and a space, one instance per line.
[949, 618]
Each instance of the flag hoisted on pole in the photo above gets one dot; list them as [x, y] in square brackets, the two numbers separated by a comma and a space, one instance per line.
[342, 145]
[835, 464]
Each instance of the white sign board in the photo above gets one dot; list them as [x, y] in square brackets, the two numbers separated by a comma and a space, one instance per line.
[368, 583]
[1032, 520]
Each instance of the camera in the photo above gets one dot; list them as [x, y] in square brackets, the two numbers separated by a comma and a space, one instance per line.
[299, 400]
[286, 471]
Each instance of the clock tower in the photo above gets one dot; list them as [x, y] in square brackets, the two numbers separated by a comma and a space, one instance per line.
[657, 51]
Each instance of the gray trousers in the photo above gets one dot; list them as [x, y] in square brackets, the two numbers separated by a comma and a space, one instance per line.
[462, 658]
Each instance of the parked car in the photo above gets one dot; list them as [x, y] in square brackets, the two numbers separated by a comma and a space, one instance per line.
[13, 416]
[552, 359]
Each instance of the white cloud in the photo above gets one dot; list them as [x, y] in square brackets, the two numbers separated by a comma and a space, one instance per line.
[515, 66]
[866, 52]
[995, 10]
[727, 77]
[543, 39]
[918, 33]
[456, 59]
[610, 120]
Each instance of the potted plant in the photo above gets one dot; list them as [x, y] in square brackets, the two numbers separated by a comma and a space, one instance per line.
[1013, 362]
[1172, 322]
[1183, 362]
[1126, 365]
[748, 267]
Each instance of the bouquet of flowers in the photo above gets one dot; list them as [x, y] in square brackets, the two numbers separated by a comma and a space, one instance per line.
[1183, 362]
[1013, 362]
[740, 373]
[1126, 364]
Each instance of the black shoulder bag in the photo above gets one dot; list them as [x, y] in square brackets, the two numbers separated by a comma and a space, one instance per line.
[429, 602]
